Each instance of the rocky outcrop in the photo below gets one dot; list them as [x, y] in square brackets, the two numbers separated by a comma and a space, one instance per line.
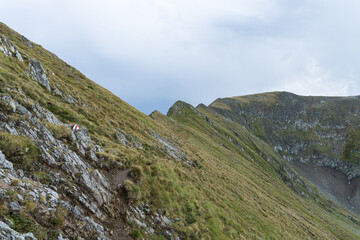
[126, 139]
[7, 233]
[37, 73]
[316, 133]
[152, 221]
[8, 48]
[91, 192]
[305, 129]
[27, 42]
[171, 150]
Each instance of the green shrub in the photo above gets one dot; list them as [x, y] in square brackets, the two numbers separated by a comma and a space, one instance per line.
[57, 218]
[136, 234]
[136, 172]
[42, 177]
[30, 205]
[132, 191]
[189, 217]
[23, 223]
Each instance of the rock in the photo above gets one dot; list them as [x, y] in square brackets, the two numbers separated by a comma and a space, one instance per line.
[60, 237]
[68, 98]
[20, 198]
[123, 139]
[167, 235]
[139, 223]
[92, 225]
[8, 48]
[126, 139]
[44, 114]
[150, 230]
[22, 110]
[9, 102]
[27, 42]
[38, 73]
[20, 173]
[14, 207]
[6, 233]
[57, 92]
[5, 164]
[171, 150]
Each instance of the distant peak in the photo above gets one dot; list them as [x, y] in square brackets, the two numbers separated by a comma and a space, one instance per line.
[179, 107]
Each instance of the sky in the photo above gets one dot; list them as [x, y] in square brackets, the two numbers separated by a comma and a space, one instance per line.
[152, 53]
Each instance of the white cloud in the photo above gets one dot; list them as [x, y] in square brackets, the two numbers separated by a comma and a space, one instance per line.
[157, 51]
[317, 81]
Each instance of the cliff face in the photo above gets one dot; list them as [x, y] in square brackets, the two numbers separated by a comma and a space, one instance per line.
[322, 132]
[193, 174]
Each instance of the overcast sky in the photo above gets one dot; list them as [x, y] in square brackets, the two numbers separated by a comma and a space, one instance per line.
[151, 53]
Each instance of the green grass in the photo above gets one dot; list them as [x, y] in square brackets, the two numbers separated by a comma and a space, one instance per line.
[23, 223]
[18, 149]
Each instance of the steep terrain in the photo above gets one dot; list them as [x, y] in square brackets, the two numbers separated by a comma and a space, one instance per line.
[319, 135]
[193, 174]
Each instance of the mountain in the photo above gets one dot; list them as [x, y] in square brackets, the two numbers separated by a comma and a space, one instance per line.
[320, 136]
[77, 162]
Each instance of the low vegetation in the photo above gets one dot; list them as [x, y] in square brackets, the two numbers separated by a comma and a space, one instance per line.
[18, 149]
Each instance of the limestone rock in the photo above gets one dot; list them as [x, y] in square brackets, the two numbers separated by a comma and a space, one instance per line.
[5, 164]
[27, 42]
[44, 114]
[7, 233]
[8, 48]
[38, 73]
[14, 207]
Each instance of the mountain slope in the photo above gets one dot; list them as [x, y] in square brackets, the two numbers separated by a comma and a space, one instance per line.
[319, 135]
[193, 174]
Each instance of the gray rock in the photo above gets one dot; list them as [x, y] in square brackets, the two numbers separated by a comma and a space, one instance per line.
[68, 98]
[123, 139]
[5, 164]
[60, 237]
[38, 73]
[170, 149]
[20, 173]
[6, 233]
[57, 92]
[139, 223]
[14, 207]
[93, 226]
[22, 110]
[126, 139]
[167, 235]
[9, 102]
[27, 42]
[44, 114]
[8, 48]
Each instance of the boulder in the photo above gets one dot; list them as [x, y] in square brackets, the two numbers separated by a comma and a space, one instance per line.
[38, 73]
[14, 207]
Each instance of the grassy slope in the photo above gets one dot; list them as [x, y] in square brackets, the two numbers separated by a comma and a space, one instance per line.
[233, 194]
[249, 198]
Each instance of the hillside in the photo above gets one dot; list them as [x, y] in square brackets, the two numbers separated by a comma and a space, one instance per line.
[197, 173]
[318, 135]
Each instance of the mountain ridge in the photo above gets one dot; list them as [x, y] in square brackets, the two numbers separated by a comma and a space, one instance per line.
[294, 124]
[193, 174]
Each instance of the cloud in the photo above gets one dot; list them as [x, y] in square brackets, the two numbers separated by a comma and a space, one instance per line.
[151, 53]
